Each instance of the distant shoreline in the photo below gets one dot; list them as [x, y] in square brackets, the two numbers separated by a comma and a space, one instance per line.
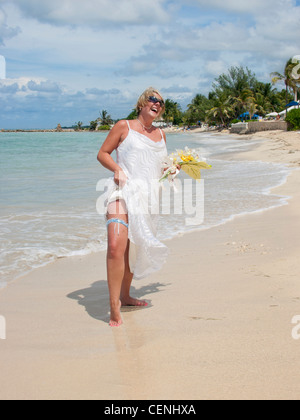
[174, 129]
[36, 131]
[67, 130]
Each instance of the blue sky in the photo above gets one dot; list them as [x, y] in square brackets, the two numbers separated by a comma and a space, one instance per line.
[67, 60]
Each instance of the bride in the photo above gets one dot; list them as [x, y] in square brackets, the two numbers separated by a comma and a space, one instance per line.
[133, 249]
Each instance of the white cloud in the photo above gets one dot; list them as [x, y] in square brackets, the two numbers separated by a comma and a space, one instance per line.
[178, 93]
[254, 7]
[44, 86]
[21, 83]
[219, 45]
[215, 67]
[280, 26]
[6, 32]
[80, 57]
[74, 58]
[93, 12]
[44, 98]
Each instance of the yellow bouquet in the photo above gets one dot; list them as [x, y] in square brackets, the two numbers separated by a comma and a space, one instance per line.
[188, 160]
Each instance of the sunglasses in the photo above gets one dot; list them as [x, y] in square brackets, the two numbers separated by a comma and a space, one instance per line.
[155, 100]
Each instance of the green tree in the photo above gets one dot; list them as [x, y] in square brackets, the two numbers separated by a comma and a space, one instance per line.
[282, 99]
[233, 94]
[292, 69]
[197, 109]
[173, 112]
[222, 112]
[245, 102]
[133, 115]
[93, 125]
[235, 82]
[291, 84]
[293, 119]
[105, 119]
[265, 97]
[78, 126]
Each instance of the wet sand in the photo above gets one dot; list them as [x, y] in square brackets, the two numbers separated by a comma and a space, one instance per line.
[219, 325]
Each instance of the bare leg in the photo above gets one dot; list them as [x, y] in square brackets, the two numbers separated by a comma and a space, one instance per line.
[126, 299]
[117, 244]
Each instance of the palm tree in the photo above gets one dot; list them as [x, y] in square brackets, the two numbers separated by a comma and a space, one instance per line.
[78, 126]
[266, 98]
[93, 125]
[105, 118]
[263, 103]
[222, 111]
[294, 67]
[244, 102]
[288, 77]
[197, 109]
[235, 81]
[172, 111]
[252, 107]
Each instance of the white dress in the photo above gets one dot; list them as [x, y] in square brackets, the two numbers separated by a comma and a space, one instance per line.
[141, 160]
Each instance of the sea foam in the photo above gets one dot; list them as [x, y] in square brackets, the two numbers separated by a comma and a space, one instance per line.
[48, 194]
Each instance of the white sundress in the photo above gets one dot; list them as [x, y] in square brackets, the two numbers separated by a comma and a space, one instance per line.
[141, 160]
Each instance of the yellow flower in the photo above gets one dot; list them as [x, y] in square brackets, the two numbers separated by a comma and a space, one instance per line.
[185, 158]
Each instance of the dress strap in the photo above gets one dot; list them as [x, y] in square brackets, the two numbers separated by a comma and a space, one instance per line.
[128, 125]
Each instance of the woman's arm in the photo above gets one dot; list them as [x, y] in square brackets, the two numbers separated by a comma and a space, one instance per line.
[115, 137]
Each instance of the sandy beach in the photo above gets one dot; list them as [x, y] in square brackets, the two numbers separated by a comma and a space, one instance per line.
[219, 325]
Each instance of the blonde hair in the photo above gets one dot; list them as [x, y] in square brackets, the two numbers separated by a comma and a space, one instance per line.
[143, 100]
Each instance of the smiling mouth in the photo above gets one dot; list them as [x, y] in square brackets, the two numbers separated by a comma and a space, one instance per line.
[154, 110]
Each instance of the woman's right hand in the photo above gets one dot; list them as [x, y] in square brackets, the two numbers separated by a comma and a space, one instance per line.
[120, 178]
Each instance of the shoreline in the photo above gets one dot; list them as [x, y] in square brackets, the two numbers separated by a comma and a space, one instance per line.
[218, 327]
[228, 156]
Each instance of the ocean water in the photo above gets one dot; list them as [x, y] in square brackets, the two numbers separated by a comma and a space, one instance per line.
[48, 194]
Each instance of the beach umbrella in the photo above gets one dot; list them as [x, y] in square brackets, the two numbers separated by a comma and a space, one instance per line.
[247, 115]
[293, 103]
[273, 114]
[289, 109]
[243, 116]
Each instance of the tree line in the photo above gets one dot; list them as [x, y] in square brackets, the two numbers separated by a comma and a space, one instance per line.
[103, 122]
[235, 95]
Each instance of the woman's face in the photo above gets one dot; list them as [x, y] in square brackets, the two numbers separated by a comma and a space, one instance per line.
[154, 106]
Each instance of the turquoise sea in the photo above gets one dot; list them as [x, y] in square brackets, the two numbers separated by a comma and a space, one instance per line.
[48, 194]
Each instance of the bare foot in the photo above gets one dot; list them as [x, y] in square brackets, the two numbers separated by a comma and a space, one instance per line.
[133, 302]
[115, 324]
[115, 315]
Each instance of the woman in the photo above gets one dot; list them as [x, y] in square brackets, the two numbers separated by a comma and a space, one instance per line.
[133, 249]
